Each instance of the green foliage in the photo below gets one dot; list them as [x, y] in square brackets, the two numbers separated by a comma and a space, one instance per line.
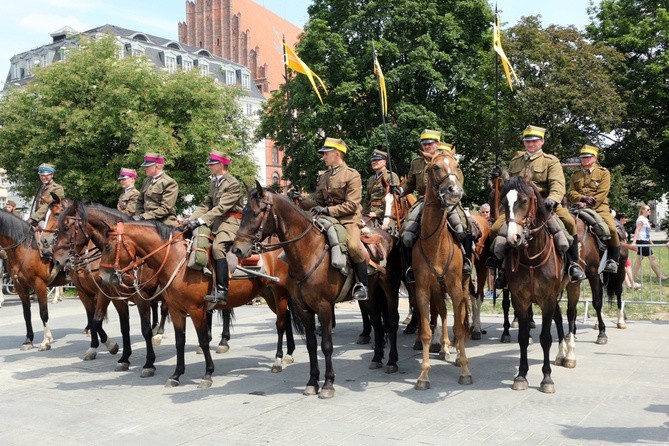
[95, 113]
[638, 30]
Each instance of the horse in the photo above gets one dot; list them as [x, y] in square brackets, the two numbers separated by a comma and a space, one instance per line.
[77, 248]
[437, 264]
[29, 272]
[534, 269]
[476, 293]
[315, 284]
[164, 249]
[590, 257]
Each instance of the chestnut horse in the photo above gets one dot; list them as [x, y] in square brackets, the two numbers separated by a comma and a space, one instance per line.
[534, 270]
[29, 272]
[165, 251]
[316, 285]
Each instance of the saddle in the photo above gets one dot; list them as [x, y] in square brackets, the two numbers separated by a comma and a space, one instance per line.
[199, 257]
[595, 224]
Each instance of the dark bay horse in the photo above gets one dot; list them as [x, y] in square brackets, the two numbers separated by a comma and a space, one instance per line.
[534, 269]
[80, 238]
[29, 272]
[315, 284]
[476, 292]
[437, 264]
[164, 250]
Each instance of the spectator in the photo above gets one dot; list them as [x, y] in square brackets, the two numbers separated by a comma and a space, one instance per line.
[642, 237]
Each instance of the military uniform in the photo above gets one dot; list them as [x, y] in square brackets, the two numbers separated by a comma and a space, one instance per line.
[340, 190]
[43, 199]
[374, 201]
[221, 211]
[157, 199]
[127, 202]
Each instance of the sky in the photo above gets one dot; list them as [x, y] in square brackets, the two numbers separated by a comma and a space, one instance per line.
[27, 24]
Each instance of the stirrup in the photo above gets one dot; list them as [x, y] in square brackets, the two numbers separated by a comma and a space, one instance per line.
[611, 267]
[408, 276]
[466, 267]
[500, 281]
[219, 295]
[359, 292]
[576, 273]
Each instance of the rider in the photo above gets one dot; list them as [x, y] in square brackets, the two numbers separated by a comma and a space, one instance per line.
[589, 187]
[221, 210]
[338, 194]
[43, 197]
[10, 207]
[375, 207]
[548, 177]
[158, 194]
[127, 202]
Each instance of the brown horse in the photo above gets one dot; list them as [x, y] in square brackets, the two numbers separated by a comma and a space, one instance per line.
[437, 264]
[481, 253]
[29, 272]
[165, 251]
[534, 269]
[316, 285]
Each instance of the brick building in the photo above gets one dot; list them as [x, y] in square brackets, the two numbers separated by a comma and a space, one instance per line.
[249, 34]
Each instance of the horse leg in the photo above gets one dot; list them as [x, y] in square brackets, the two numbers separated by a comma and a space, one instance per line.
[179, 324]
[393, 321]
[598, 304]
[325, 315]
[144, 310]
[223, 345]
[460, 331]
[436, 344]
[572, 310]
[423, 309]
[562, 343]
[42, 299]
[122, 309]
[506, 306]
[371, 309]
[621, 324]
[290, 340]
[444, 340]
[547, 385]
[27, 317]
[199, 318]
[309, 321]
[89, 306]
[520, 381]
[159, 331]
[280, 330]
[364, 337]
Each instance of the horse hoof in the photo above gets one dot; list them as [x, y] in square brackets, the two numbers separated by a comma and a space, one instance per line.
[476, 335]
[514, 324]
[205, 383]
[465, 380]
[114, 349]
[224, 348]
[90, 355]
[157, 340]
[533, 324]
[559, 362]
[409, 330]
[362, 340]
[435, 348]
[171, 382]
[622, 325]
[569, 363]
[505, 339]
[417, 345]
[441, 356]
[519, 384]
[375, 365]
[310, 390]
[422, 385]
[27, 346]
[601, 340]
[596, 326]
[547, 388]
[122, 367]
[288, 359]
[44, 347]
[391, 369]
[147, 373]
[326, 394]
[530, 341]
[276, 368]
[199, 351]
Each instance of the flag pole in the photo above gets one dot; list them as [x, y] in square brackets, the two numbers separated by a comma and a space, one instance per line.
[289, 107]
[384, 107]
[496, 181]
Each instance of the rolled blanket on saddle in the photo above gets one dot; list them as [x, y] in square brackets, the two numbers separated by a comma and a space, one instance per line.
[561, 238]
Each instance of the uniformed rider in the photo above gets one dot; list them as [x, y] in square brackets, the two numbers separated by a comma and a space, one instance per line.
[375, 206]
[127, 201]
[43, 197]
[158, 196]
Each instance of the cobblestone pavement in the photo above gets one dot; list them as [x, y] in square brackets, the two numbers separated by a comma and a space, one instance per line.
[617, 394]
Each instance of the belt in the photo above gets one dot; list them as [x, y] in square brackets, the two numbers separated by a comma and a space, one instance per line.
[376, 203]
[237, 215]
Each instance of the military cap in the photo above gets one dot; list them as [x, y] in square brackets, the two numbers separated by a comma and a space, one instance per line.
[446, 146]
[11, 203]
[429, 136]
[151, 158]
[533, 132]
[127, 173]
[587, 150]
[333, 144]
[46, 169]
[216, 157]
[378, 155]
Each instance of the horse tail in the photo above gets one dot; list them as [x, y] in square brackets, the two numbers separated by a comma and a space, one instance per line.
[298, 325]
[465, 325]
[227, 314]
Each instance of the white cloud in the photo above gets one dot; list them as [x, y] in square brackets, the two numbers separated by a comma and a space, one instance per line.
[48, 23]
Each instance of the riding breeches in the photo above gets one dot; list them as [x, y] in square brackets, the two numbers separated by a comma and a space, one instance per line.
[353, 242]
[608, 219]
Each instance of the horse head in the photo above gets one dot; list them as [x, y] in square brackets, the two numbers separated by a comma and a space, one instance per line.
[524, 208]
[71, 234]
[256, 225]
[442, 177]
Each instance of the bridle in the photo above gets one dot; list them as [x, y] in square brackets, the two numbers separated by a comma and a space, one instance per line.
[437, 182]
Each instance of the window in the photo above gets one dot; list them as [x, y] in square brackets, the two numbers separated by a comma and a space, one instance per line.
[249, 109]
[137, 51]
[204, 69]
[170, 63]
[275, 179]
[230, 77]
[187, 65]
[275, 155]
[246, 81]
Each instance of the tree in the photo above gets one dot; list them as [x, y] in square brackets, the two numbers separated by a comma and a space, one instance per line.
[638, 29]
[95, 113]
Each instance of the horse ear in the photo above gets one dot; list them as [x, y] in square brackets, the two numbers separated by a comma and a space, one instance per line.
[259, 188]
[528, 175]
[55, 198]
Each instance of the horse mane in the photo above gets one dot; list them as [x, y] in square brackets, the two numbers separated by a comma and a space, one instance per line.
[163, 230]
[282, 198]
[82, 212]
[16, 229]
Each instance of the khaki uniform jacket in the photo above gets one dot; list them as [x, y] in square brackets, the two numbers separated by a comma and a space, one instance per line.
[156, 201]
[43, 199]
[340, 189]
[127, 202]
[417, 177]
[593, 184]
[221, 208]
[376, 193]
[548, 175]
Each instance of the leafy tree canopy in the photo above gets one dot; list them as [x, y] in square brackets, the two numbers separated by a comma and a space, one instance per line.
[95, 113]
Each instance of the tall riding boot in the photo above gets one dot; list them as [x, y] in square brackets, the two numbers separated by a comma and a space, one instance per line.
[360, 288]
[408, 275]
[613, 255]
[219, 293]
[498, 264]
[575, 271]
[467, 252]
